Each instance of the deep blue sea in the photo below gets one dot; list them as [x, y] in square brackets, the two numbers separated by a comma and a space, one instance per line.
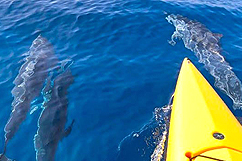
[123, 66]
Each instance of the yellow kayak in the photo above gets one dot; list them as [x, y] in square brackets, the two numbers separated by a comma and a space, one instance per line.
[202, 128]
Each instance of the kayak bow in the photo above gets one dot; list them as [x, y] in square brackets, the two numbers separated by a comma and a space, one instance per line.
[202, 128]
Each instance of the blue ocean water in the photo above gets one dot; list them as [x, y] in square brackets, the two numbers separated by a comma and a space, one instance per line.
[122, 63]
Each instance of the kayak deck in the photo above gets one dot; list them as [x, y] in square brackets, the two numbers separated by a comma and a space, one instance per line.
[221, 154]
[201, 124]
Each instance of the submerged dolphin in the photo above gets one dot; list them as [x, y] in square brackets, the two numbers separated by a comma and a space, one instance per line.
[4, 158]
[29, 83]
[206, 46]
[51, 124]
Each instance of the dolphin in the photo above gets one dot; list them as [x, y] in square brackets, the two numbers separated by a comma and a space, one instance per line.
[28, 83]
[52, 121]
[206, 46]
[4, 158]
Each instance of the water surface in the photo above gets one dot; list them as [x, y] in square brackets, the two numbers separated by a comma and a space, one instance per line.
[123, 68]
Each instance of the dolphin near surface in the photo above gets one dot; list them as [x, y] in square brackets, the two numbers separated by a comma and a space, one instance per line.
[206, 46]
[4, 158]
[52, 121]
[28, 84]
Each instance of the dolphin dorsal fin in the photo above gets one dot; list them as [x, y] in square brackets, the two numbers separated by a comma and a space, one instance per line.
[68, 130]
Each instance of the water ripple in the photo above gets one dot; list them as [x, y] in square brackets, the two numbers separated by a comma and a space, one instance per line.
[122, 63]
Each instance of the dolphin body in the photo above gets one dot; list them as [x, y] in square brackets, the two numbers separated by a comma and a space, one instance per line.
[4, 158]
[51, 124]
[29, 83]
[206, 46]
